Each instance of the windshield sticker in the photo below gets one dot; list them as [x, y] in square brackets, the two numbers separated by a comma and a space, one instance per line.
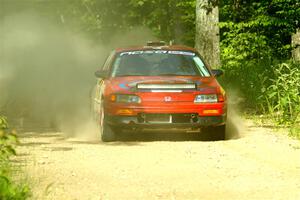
[186, 53]
[132, 53]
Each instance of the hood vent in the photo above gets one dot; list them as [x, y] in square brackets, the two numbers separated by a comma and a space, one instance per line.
[182, 86]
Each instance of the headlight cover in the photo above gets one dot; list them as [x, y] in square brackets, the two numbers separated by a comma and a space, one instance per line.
[125, 98]
[206, 98]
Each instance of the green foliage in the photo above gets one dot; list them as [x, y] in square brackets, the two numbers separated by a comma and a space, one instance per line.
[245, 57]
[8, 140]
[273, 21]
[295, 128]
[8, 189]
[255, 37]
[282, 93]
[168, 19]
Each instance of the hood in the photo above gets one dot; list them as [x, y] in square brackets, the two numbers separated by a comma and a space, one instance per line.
[130, 84]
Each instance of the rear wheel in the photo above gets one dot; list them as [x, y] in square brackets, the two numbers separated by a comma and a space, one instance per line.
[215, 133]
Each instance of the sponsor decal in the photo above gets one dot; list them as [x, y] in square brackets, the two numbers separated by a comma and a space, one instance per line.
[133, 85]
[185, 53]
[123, 86]
[167, 86]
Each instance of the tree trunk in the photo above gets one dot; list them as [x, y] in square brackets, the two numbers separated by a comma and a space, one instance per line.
[207, 40]
[296, 46]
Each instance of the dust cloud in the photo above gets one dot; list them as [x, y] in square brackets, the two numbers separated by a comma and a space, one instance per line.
[47, 72]
[235, 126]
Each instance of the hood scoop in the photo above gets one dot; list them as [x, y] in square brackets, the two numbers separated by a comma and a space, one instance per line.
[168, 86]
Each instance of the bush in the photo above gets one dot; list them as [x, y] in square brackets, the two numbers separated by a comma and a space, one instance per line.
[245, 57]
[281, 93]
[271, 89]
[247, 79]
[295, 128]
[8, 141]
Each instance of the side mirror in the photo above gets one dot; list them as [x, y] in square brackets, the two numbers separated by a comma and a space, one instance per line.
[217, 72]
[101, 74]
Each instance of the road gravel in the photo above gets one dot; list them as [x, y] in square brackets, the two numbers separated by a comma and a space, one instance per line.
[259, 164]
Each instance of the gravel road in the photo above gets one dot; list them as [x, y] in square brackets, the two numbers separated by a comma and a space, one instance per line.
[260, 164]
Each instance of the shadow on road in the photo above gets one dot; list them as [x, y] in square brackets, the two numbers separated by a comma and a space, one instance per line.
[173, 136]
[33, 143]
[150, 136]
[42, 134]
[126, 138]
[233, 131]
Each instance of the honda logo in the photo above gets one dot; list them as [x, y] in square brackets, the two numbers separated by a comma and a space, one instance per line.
[168, 99]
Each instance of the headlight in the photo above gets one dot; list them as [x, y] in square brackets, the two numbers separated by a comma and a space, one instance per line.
[206, 98]
[125, 98]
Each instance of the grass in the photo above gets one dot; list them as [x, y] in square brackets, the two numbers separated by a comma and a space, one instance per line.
[11, 185]
[273, 92]
[295, 132]
[295, 129]
[10, 188]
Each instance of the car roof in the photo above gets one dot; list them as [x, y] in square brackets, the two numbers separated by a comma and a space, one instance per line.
[165, 47]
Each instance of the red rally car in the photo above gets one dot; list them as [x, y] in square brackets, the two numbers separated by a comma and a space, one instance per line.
[158, 86]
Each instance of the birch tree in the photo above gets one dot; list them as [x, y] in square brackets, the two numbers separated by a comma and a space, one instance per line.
[207, 39]
[296, 46]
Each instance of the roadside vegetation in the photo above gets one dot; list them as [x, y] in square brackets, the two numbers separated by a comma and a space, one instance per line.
[257, 58]
[10, 188]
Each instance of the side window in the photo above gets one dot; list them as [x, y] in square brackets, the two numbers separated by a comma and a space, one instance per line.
[201, 67]
[99, 88]
[108, 61]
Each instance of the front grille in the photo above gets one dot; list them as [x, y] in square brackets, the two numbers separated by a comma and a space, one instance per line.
[168, 118]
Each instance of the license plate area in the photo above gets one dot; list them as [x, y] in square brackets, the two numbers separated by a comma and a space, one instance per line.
[167, 118]
[158, 118]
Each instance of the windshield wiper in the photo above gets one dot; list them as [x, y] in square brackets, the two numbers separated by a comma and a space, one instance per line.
[168, 75]
[129, 75]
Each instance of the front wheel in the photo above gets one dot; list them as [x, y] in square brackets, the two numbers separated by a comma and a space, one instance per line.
[215, 133]
[107, 134]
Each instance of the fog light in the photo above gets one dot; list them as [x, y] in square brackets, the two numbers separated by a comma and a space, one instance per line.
[124, 112]
[210, 112]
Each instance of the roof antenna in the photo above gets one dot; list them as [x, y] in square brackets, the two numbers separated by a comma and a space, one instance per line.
[156, 44]
[171, 42]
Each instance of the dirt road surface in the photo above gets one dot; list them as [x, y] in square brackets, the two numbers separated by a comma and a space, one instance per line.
[260, 164]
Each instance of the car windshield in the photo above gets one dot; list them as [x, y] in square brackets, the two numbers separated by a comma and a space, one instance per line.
[159, 63]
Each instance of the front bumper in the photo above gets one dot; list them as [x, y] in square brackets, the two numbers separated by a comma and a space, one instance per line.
[129, 122]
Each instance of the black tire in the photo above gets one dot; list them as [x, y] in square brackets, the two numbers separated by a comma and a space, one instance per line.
[215, 133]
[107, 133]
[92, 103]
